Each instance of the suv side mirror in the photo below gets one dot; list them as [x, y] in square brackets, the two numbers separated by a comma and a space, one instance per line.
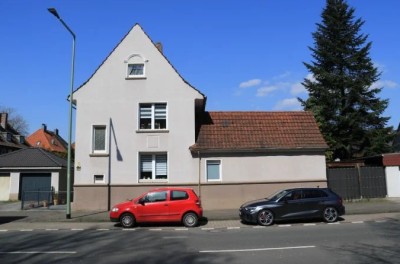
[142, 201]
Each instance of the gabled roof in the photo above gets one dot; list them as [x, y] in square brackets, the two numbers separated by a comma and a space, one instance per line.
[137, 25]
[31, 157]
[259, 132]
[49, 140]
[16, 141]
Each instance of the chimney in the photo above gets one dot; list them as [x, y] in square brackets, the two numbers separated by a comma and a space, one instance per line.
[56, 131]
[44, 127]
[4, 120]
[159, 47]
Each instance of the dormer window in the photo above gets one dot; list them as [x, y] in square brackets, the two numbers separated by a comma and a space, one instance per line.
[135, 67]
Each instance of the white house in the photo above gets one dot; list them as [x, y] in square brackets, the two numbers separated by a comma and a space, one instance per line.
[140, 125]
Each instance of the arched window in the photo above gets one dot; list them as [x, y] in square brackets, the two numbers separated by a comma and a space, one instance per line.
[135, 67]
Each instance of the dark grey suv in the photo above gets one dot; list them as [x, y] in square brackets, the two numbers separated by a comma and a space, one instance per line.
[299, 203]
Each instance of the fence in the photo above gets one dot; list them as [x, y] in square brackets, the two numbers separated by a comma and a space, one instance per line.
[45, 199]
[358, 182]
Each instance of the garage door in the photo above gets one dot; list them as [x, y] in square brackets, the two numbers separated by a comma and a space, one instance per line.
[4, 187]
[36, 186]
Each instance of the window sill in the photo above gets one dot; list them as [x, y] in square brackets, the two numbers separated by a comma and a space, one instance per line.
[153, 181]
[152, 131]
[98, 155]
[136, 78]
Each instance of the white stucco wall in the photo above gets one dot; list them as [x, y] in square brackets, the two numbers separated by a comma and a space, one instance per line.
[273, 168]
[110, 99]
[393, 181]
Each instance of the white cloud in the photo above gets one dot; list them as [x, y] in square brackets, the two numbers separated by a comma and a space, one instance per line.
[288, 104]
[311, 77]
[386, 83]
[282, 76]
[297, 88]
[250, 83]
[264, 91]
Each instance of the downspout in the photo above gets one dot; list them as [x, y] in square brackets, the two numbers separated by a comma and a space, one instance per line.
[199, 186]
[109, 166]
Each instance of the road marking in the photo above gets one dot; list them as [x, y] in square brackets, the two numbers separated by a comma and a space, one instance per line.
[309, 224]
[38, 252]
[357, 222]
[51, 229]
[155, 229]
[380, 221]
[233, 227]
[181, 229]
[258, 226]
[336, 223]
[26, 230]
[3, 230]
[175, 237]
[253, 249]
[102, 229]
[77, 229]
[207, 228]
[284, 225]
[128, 229]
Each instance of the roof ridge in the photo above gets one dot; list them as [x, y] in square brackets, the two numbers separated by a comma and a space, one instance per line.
[47, 153]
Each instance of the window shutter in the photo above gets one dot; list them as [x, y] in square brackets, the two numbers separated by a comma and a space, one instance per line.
[161, 164]
[160, 111]
[213, 170]
[146, 163]
[145, 111]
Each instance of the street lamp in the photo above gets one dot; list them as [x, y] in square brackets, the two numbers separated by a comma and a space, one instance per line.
[68, 214]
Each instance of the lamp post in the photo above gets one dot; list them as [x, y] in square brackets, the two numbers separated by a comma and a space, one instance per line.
[68, 213]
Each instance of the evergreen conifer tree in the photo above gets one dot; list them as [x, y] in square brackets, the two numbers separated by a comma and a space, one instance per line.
[343, 94]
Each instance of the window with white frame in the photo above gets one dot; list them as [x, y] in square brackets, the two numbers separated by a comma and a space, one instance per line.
[135, 70]
[153, 167]
[98, 178]
[213, 170]
[99, 139]
[153, 116]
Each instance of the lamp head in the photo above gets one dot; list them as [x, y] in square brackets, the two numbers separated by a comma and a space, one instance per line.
[54, 12]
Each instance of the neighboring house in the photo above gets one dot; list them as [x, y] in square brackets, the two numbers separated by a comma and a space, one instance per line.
[10, 139]
[391, 164]
[49, 140]
[31, 169]
[140, 125]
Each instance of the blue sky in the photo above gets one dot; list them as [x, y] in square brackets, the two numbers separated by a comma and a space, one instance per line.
[243, 55]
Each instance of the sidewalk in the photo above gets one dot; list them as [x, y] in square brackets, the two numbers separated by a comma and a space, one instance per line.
[10, 212]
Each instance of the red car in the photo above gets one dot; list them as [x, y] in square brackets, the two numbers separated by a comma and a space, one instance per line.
[160, 205]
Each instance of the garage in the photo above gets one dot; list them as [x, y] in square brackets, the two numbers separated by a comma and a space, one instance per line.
[35, 186]
[4, 187]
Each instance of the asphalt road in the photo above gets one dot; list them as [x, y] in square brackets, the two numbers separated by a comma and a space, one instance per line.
[357, 242]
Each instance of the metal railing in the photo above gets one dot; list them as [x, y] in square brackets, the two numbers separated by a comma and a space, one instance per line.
[45, 199]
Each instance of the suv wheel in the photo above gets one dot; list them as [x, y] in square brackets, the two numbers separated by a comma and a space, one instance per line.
[330, 214]
[190, 220]
[265, 218]
[127, 220]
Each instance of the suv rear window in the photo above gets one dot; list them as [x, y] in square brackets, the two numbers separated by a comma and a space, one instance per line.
[179, 195]
[314, 193]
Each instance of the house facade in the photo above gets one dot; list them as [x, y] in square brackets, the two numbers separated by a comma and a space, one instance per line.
[10, 139]
[140, 125]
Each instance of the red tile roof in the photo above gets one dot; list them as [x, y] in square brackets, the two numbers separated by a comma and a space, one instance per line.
[392, 159]
[48, 140]
[259, 131]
